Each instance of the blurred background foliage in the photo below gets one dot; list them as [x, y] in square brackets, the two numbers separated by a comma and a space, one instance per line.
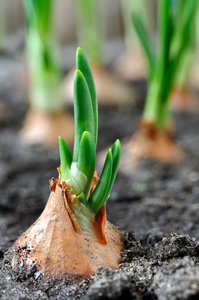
[114, 21]
[13, 22]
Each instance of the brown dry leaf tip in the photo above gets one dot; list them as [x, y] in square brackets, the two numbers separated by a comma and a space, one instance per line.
[184, 100]
[55, 245]
[149, 142]
[94, 182]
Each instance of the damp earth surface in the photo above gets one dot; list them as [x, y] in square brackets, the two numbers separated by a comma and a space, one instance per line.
[156, 207]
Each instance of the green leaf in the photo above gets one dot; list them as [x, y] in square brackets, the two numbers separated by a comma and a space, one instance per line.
[65, 159]
[29, 11]
[39, 15]
[83, 111]
[86, 159]
[166, 32]
[99, 195]
[82, 64]
[116, 152]
[144, 40]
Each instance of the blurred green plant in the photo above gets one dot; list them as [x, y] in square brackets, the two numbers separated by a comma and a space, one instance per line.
[183, 75]
[77, 170]
[146, 11]
[175, 18]
[89, 30]
[2, 26]
[44, 74]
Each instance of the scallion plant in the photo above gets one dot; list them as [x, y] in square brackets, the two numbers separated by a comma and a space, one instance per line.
[44, 74]
[89, 30]
[175, 30]
[77, 170]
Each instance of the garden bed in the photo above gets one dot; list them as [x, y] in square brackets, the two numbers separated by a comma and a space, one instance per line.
[159, 203]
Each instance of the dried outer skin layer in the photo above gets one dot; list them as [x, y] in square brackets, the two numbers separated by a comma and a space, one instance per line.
[54, 246]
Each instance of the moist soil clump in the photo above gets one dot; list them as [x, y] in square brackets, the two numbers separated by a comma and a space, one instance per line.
[159, 202]
[168, 269]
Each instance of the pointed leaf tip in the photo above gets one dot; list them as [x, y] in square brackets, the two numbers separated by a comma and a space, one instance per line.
[79, 51]
[78, 73]
[99, 195]
[82, 64]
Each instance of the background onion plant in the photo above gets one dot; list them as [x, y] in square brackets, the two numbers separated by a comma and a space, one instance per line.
[44, 73]
[175, 25]
[89, 29]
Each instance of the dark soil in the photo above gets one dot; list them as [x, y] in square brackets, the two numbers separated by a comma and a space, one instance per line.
[158, 202]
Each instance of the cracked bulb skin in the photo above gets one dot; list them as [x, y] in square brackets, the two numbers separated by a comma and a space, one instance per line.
[55, 246]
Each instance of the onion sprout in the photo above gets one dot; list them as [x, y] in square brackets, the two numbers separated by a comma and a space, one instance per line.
[45, 77]
[77, 170]
[175, 32]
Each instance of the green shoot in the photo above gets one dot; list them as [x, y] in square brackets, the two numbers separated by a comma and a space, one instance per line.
[78, 170]
[83, 66]
[145, 42]
[101, 192]
[45, 77]
[84, 118]
[175, 35]
[145, 9]
[183, 76]
[88, 29]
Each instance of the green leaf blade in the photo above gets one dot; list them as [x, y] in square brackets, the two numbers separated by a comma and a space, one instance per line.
[166, 33]
[83, 111]
[116, 153]
[98, 197]
[39, 15]
[65, 160]
[82, 64]
[86, 159]
[144, 40]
